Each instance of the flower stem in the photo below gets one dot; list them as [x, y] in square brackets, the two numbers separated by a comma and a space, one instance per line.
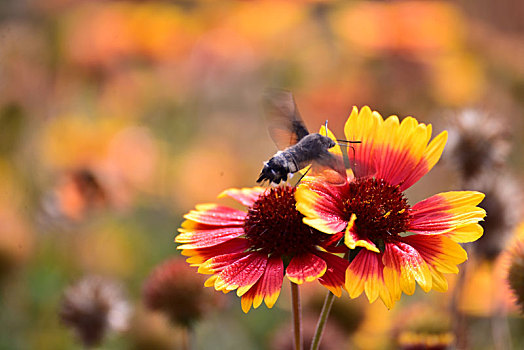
[297, 317]
[460, 323]
[500, 329]
[185, 338]
[328, 303]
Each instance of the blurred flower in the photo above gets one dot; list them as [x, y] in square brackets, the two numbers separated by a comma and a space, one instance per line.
[331, 99]
[372, 210]
[478, 142]
[155, 31]
[515, 269]
[423, 327]
[174, 289]
[266, 38]
[457, 78]
[426, 33]
[92, 306]
[375, 330]
[241, 40]
[100, 163]
[333, 337]
[216, 164]
[421, 341]
[130, 159]
[70, 141]
[248, 251]
[414, 27]
[503, 203]
[76, 194]
[486, 292]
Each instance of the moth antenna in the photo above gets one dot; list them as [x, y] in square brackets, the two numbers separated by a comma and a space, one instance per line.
[347, 141]
[348, 144]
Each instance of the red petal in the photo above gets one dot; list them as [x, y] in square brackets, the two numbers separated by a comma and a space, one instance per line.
[246, 196]
[362, 126]
[366, 274]
[212, 214]
[402, 155]
[415, 173]
[438, 251]
[335, 244]
[430, 216]
[431, 155]
[394, 165]
[335, 275]
[403, 265]
[322, 205]
[200, 255]
[207, 238]
[220, 262]
[268, 286]
[242, 274]
[454, 214]
[305, 268]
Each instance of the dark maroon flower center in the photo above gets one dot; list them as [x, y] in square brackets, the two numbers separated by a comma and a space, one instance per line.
[274, 226]
[382, 210]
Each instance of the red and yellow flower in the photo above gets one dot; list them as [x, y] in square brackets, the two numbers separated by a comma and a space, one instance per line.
[252, 251]
[393, 245]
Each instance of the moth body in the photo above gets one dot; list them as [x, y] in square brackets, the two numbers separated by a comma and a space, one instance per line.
[311, 148]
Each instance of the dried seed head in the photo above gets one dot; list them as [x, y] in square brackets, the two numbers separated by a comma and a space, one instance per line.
[93, 306]
[503, 203]
[178, 291]
[477, 142]
[516, 273]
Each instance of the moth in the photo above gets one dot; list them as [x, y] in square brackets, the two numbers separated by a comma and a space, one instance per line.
[298, 147]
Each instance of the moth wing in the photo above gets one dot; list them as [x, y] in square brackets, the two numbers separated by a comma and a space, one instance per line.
[285, 125]
[330, 167]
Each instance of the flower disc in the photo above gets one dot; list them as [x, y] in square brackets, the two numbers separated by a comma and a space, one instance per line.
[274, 226]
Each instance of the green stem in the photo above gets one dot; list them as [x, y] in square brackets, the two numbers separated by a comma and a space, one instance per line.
[328, 303]
[297, 324]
